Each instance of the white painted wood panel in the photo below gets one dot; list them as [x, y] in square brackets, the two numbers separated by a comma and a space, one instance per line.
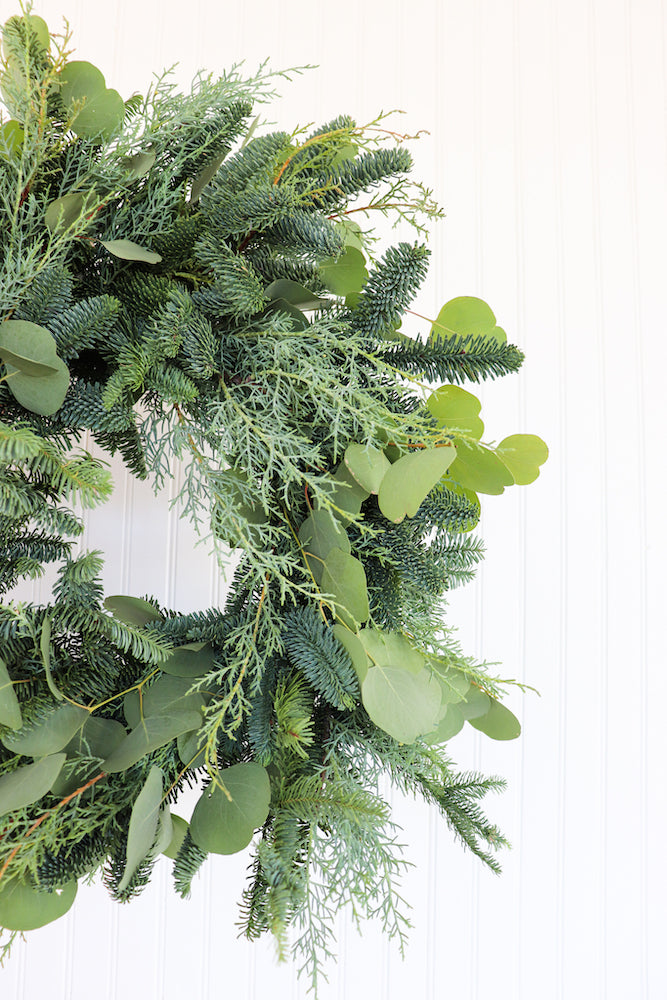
[548, 151]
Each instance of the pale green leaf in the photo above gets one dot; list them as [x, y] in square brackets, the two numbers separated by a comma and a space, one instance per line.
[294, 293]
[143, 824]
[343, 577]
[132, 610]
[456, 409]
[498, 723]
[65, 211]
[149, 735]
[40, 394]
[479, 469]
[225, 825]
[179, 829]
[22, 908]
[353, 646]
[403, 704]
[523, 454]
[48, 735]
[449, 724]
[127, 250]
[466, 316]
[10, 710]
[367, 465]
[27, 784]
[28, 347]
[191, 660]
[409, 481]
[345, 274]
[318, 535]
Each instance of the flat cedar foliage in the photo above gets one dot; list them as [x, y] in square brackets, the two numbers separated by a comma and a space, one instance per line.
[178, 283]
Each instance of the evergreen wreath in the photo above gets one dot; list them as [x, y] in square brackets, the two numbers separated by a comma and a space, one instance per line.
[174, 286]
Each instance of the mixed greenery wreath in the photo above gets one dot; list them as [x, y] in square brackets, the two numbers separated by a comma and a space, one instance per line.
[174, 286]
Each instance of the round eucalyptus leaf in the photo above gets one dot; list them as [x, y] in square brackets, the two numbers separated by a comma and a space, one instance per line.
[225, 825]
[169, 694]
[344, 578]
[132, 610]
[139, 164]
[179, 829]
[64, 212]
[28, 347]
[96, 738]
[191, 660]
[409, 481]
[49, 734]
[455, 685]
[523, 454]
[479, 469]
[318, 535]
[353, 646]
[403, 704]
[190, 748]
[367, 465]
[165, 832]
[42, 394]
[296, 294]
[11, 140]
[151, 734]
[466, 316]
[351, 232]
[28, 783]
[282, 306]
[347, 496]
[498, 723]
[346, 274]
[38, 27]
[456, 409]
[100, 116]
[474, 704]
[79, 81]
[449, 724]
[127, 250]
[10, 710]
[22, 908]
[143, 824]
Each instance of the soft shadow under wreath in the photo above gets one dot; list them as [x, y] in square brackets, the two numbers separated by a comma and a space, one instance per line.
[177, 282]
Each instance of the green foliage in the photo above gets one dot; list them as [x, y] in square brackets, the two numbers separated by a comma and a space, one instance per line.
[180, 288]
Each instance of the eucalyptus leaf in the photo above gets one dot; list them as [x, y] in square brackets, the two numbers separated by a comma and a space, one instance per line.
[479, 469]
[44, 394]
[167, 695]
[347, 495]
[344, 578]
[294, 293]
[132, 610]
[191, 748]
[97, 738]
[367, 465]
[10, 709]
[143, 824]
[455, 685]
[22, 908]
[475, 703]
[449, 724]
[28, 783]
[165, 832]
[410, 479]
[345, 274]
[318, 535]
[11, 139]
[127, 250]
[194, 659]
[222, 826]
[205, 176]
[28, 347]
[62, 213]
[45, 650]
[354, 647]
[498, 723]
[282, 306]
[139, 164]
[466, 316]
[351, 232]
[180, 827]
[456, 409]
[403, 704]
[49, 734]
[149, 735]
[80, 81]
[523, 454]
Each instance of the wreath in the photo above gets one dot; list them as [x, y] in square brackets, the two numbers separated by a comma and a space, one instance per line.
[175, 286]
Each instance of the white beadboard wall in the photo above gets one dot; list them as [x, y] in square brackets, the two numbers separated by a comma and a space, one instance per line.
[547, 149]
